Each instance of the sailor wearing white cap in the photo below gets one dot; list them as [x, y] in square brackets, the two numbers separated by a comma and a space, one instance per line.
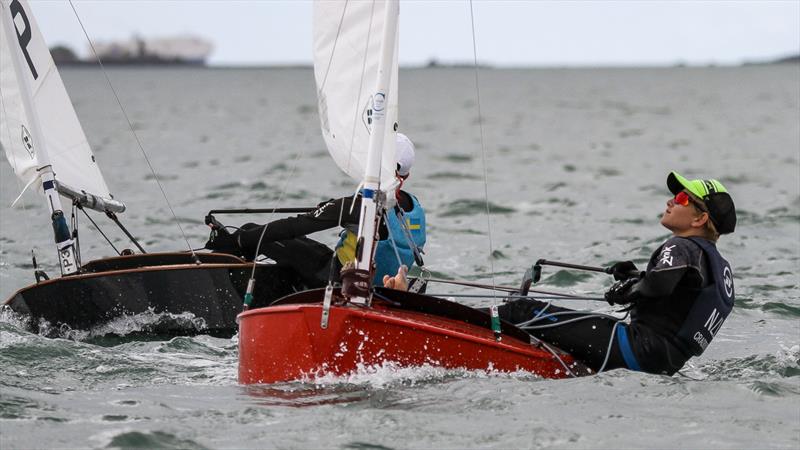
[401, 233]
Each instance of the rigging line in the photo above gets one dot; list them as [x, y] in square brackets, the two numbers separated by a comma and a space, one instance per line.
[391, 238]
[401, 217]
[361, 87]
[99, 230]
[505, 288]
[280, 200]
[531, 297]
[333, 50]
[135, 136]
[483, 146]
[558, 324]
[75, 234]
[582, 314]
[553, 352]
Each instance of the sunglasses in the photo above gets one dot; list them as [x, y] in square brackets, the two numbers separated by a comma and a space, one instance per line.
[683, 199]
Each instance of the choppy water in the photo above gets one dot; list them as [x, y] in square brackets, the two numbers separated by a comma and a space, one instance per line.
[577, 161]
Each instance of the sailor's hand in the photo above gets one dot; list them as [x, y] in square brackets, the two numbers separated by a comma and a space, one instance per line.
[399, 281]
[620, 292]
[624, 270]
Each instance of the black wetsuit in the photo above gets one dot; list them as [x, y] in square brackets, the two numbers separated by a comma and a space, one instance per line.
[285, 239]
[661, 302]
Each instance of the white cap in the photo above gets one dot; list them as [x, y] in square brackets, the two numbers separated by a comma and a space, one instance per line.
[404, 154]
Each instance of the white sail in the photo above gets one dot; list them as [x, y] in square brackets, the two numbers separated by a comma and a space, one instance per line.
[50, 133]
[347, 46]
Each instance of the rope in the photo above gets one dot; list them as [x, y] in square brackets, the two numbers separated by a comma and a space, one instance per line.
[483, 147]
[135, 136]
[608, 350]
[539, 316]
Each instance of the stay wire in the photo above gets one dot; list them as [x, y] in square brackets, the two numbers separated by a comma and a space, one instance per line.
[99, 230]
[483, 147]
[135, 136]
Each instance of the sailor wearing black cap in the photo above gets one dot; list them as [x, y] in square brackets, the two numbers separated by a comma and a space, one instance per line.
[676, 306]
[401, 233]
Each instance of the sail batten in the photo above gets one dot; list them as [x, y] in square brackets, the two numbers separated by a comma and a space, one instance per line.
[46, 132]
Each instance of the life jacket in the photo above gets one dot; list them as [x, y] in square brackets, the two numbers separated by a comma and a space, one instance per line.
[712, 305]
[386, 262]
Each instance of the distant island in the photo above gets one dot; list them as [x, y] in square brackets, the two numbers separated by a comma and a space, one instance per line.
[178, 50]
[789, 59]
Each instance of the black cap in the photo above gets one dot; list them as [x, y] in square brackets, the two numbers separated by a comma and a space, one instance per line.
[719, 203]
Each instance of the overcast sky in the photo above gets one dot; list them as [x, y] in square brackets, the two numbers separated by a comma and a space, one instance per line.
[509, 33]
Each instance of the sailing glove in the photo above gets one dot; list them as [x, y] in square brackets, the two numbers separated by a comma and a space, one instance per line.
[621, 292]
[625, 270]
[221, 241]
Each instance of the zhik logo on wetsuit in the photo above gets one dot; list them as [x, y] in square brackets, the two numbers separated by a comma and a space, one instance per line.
[727, 277]
[666, 255]
[318, 212]
[714, 322]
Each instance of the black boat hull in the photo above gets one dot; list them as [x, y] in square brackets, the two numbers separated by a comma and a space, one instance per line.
[159, 282]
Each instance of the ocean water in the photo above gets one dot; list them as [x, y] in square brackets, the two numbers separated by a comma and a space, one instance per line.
[575, 162]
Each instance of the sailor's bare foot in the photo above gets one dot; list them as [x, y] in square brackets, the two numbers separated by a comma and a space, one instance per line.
[399, 281]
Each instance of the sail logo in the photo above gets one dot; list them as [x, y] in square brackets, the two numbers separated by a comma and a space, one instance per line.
[727, 279]
[24, 37]
[666, 255]
[27, 141]
[366, 116]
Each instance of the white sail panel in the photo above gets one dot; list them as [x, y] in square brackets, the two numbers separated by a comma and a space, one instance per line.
[347, 42]
[62, 143]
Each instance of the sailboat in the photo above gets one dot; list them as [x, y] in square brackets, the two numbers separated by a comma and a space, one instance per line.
[48, 151]
[338, 330]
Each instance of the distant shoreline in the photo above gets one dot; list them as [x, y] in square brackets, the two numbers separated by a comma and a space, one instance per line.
[191, 65]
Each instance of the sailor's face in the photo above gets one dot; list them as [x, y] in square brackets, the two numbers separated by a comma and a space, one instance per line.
[679, 218]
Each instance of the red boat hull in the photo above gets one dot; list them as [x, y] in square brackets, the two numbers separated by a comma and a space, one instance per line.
[285, 343]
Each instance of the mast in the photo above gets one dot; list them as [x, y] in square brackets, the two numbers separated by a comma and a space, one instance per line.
[372, 199]
[13, 13]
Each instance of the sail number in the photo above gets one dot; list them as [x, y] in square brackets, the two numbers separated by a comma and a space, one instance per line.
[23, 37]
